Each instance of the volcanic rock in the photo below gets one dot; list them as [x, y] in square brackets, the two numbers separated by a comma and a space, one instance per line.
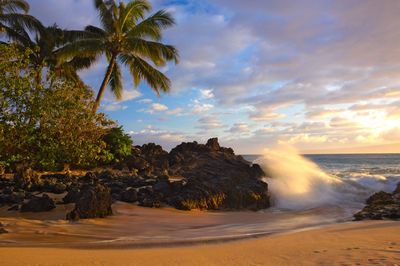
[129, 195]
[94, 201]
[381, 206]
[38, 204]
[216, 179]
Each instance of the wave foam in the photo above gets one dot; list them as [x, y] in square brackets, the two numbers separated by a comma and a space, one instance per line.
[298, 183]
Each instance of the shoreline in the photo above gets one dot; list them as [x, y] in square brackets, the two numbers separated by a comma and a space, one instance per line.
[367, 242]
[138, 227]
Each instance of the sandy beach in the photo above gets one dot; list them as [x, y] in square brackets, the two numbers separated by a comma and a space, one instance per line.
[353, 243]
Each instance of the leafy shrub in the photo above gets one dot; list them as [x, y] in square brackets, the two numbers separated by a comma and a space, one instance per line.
[45, 121]
[118, 145]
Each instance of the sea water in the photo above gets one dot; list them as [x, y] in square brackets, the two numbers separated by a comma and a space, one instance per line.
[299, 182]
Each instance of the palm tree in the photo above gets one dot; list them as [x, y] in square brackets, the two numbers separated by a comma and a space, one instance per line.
[127, 38]
[45, 45]
[10, 15]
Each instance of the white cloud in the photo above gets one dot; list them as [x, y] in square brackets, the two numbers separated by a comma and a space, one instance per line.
[154, 108]
[206, 94]
[114, 107]
[200, 108]
[175, 111]
[265, 116]
[128, 95]
[239, 128]
[145, 101]
[304, 138]
[210, 122]
[158, 107]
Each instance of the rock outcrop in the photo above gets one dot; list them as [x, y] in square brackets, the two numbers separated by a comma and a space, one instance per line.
[216, 179]
[93, 201]
[38, 204]
[191, 176]
[381, 206]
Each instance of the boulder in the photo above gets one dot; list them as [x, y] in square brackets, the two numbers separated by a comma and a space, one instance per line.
[38, 204]
[72, 196]
[12, 197]
[216, 179]
[381, 205]
[89, 178]
[380, 198]
[150, 201]
[162, 186]
[94, 201]
[129, 195]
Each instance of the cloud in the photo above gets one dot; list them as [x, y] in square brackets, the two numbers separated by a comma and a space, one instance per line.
[157, 107]
[206, 94]
[145, 101]
[239, 128]
[167, 139]
[114, 107]
[128, 95]
[305, 72]
[210, 122]
[154, 108]
[265, 115]
[56, 11]
[176, 111]
[199, 108]
[304, 138]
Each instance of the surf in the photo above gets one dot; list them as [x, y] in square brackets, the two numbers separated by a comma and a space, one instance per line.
[298, 183]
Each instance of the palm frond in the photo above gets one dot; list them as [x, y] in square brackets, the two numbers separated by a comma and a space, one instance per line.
[129, 14]
[79, 63]
[152, 26]
[158, 53]
[115, 82]
[141, 70]
[105, 14]
[81, 48]
[14, 6]
[19, 35]
[27, 21]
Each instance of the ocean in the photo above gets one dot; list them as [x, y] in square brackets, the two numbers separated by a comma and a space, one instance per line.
[299, 182]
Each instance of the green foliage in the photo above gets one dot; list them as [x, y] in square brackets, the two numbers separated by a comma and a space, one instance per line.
[47, 123]
[118, 145]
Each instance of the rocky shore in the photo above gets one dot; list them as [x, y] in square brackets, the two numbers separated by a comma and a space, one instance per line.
[380, 206]
[191, 176]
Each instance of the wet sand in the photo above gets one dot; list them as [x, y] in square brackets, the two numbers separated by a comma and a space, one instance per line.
[143, 236]
[133, 226]
[361, 243]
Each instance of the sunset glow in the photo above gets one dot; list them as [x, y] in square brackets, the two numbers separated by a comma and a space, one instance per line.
[322, 76]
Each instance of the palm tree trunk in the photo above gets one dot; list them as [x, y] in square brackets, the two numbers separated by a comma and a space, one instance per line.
[104, 84]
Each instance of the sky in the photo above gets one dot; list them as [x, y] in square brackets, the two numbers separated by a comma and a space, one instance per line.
[322, 76]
